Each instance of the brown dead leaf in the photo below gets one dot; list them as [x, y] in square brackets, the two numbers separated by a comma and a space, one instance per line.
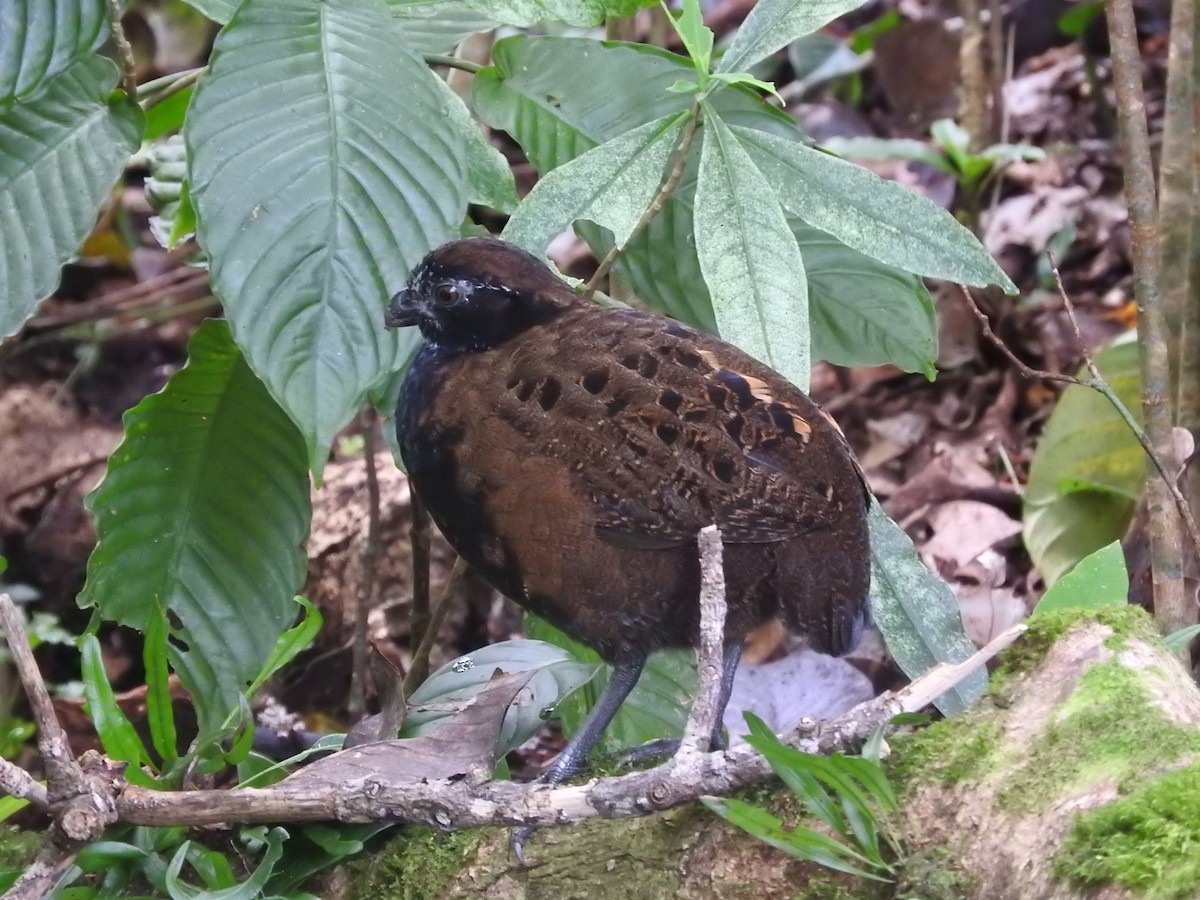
[964, 529]
[464, 745]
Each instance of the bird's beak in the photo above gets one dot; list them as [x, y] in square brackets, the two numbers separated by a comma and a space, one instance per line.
[402, 311]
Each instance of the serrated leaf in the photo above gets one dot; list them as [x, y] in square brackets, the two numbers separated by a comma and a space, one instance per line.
[749, 257]
[1085, 442]
[773, 24]
[870, 214]
[611, 185]
[42, 39]
[1099, 579]
[63, 151]
[354, 179]
[917, 612]
[203, 512]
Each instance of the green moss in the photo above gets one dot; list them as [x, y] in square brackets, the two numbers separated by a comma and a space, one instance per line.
[418, 864]
[1148, 840]
[1106, 729]
[933, 874]
[17, 850]
[949, 751]
[1046, 629]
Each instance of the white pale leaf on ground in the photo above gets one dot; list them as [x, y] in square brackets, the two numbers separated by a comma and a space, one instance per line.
[803, 683]
[611, 185]
[964, 529]
[749, 257]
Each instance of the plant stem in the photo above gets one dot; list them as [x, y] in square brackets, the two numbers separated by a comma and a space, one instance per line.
[678, 165]
[1172, 609]
[155, 92]
[124, 50]
[451, 62]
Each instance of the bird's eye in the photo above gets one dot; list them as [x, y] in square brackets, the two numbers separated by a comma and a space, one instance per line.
[445, 294]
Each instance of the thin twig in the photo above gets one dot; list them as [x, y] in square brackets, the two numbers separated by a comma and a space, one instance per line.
[183, 81]
[702, 721]
[679, 164]
[369, 559]
[63, 775]
[451, 62]
[41, 875]
[16, 782]
[463, 802]
[420, 660]
[1173, 608]
[124, 50]
[1095, 383]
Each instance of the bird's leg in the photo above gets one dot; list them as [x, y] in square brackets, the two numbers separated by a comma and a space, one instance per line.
[574, 757]
[625, 675]
[664, 747]
[731, 657]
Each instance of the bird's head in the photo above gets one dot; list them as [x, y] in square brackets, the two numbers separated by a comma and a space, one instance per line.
[476, 293]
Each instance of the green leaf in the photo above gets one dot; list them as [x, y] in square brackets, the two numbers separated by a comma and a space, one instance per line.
[1085, 442]
[116, 732]
[773, 24]
[159, 712]
[611, 185]
[749, 257]
[437, 26]
[862, 312]
[873, 148]
[697, 39]
[1098, 580]
[290, 644]
[39, 40]
[452, 685]
[732, 78]
[204, 510]
[247, 890]
[917, 613]
[800, 842]
[356, 178]
[872, 215]
[1178, 641]
[580, 13]
[63, 150]
[657, 707]
[167, 116]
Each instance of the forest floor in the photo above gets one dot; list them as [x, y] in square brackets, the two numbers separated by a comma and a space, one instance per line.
[948, 457]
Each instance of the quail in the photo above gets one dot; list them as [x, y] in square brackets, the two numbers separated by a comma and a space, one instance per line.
[571, 453]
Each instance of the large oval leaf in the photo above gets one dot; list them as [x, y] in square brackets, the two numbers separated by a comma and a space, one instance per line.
[39, 40]
[322, 170]
[1088, 468]
[62, 152]
[202, 516]
[773, 24]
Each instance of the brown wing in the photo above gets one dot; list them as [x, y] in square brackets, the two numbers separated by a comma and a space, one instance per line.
[667, 430]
